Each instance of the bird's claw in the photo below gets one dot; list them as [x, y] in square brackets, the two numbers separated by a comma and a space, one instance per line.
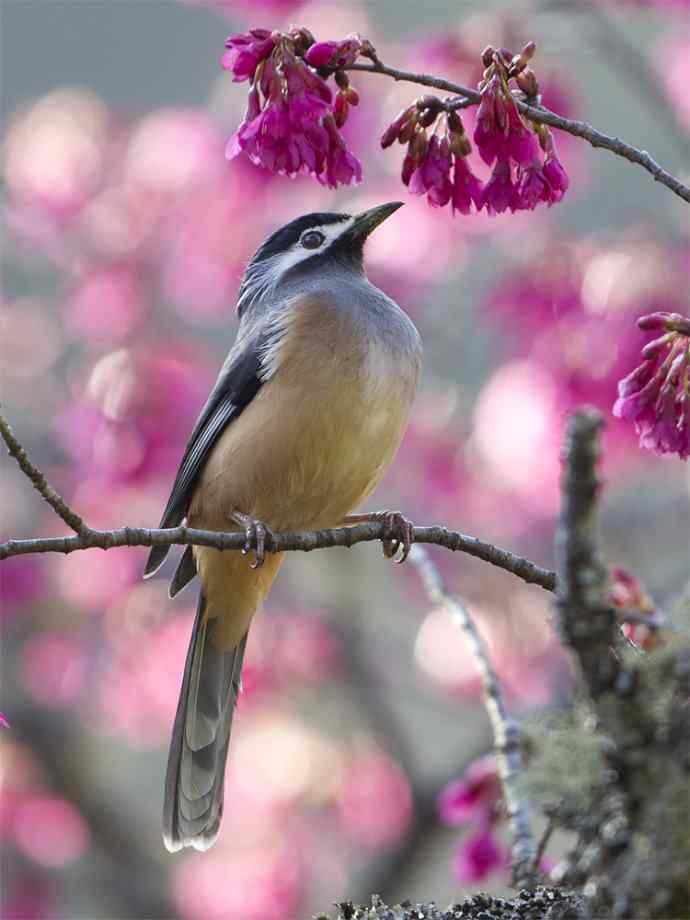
[256, 534]
[397, 535]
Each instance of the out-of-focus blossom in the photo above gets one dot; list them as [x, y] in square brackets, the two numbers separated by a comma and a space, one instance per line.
[291, 123]
[55, 153]
[137, 411]
[374, 801]
[569, 313]
[479, 856]
[138, 690]
[304, 768]
[21, 581]
[260, 882]
[629, 596]
[49, 830]
[106, 306]
[52, 667]
[474, 796]
[4, 722]
[25, 898]
[656, 395]
[672, 62]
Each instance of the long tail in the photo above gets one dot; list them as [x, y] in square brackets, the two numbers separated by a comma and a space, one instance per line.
[194, 780]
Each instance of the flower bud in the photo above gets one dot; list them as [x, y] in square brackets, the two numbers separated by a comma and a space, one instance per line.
[418, 145]
[407, 130]
[527, 82]
[340, 110]
[393, 131]
[488, 56]
[342, 79]
[455, 125]
[428, 117]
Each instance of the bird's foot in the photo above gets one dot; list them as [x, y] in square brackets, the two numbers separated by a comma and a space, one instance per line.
[256, 534]
[397, 532]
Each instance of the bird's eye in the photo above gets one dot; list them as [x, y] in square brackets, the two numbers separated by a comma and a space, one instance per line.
[312, 240]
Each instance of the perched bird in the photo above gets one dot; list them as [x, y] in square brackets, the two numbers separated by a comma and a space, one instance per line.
[307, 413]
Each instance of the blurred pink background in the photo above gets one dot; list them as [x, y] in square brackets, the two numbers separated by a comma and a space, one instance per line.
[125, 236]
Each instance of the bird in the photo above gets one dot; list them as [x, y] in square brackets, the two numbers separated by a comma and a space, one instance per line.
[307, 413]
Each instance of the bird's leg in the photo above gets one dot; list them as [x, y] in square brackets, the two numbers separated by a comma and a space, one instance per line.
[397, 534]
[256, 533]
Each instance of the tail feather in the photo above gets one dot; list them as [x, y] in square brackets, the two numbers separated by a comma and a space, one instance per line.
[194, 782]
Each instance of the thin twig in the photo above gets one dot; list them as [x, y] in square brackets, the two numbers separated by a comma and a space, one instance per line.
[507, 734]
[551, 824]
[540, 115]
[40, 483]
[587, 621]
[627, 60]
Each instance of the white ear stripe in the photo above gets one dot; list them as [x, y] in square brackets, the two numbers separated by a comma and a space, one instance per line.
[263, 277]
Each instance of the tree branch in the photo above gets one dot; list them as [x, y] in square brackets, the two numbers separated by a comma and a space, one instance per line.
[39, 482]
[507, 734]
[285, 542]
[587, 621]
[540, 115]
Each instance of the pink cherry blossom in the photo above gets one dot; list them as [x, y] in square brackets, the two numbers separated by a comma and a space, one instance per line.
[478, 856]
[474, 796]
[656, 395]
[291, 125]
[500, 132]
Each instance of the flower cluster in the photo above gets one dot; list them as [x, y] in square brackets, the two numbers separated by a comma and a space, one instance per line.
[476, 798]
[526, 169]
[429, 160]
[656, 395]
[291, 125]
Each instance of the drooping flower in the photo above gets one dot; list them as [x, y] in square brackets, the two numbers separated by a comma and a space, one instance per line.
[478, 856]
[656, 395]
[467, 189]
[291, 123]
[432, 174]
[430, 161]
[500, 132]
[245, 52]
[499, 192]
[474, 796]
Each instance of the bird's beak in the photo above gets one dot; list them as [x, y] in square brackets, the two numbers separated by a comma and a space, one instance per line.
[369, 220]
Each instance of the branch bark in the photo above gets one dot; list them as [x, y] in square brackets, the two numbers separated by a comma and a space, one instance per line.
[507, 734]
[284, 542]
[544, 116]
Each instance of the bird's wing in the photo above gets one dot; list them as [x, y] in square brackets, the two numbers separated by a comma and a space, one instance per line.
[238, 383]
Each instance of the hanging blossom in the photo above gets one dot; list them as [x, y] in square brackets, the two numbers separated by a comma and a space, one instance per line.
[291, 125]
[476, 798]
[656, 395]
[526, 170]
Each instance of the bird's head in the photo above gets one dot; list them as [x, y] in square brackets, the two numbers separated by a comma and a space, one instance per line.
[308, 244]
